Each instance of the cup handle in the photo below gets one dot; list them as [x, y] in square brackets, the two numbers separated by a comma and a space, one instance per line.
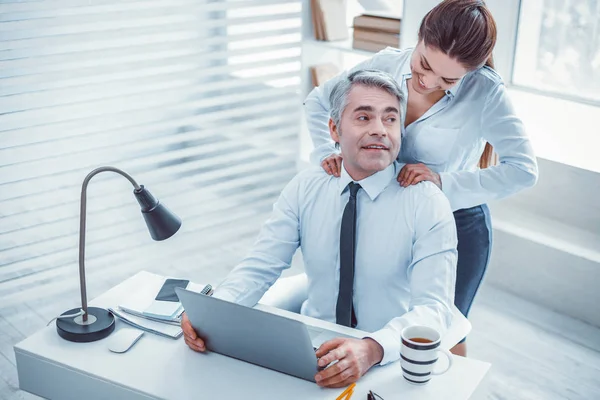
[449, 356]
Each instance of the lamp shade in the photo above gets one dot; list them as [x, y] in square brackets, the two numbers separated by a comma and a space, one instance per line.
[161, 222]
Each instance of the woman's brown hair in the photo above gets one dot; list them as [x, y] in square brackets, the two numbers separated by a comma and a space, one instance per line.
[465, 31]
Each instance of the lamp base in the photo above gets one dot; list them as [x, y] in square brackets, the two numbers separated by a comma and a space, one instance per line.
[99, 325]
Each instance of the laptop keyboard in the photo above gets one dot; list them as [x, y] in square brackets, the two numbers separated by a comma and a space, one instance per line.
[318, 336]
[313, 332]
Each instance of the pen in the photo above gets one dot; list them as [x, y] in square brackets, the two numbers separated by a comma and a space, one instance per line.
[207, 290]
[348, 392]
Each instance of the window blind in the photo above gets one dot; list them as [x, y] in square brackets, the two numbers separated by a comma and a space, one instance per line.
[197, 100]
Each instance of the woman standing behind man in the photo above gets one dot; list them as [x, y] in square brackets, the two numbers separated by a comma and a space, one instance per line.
[458, 115]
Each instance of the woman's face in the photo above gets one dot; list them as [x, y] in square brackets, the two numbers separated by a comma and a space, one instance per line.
[432, 70]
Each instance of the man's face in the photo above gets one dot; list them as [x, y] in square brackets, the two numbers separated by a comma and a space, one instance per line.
[369, 131]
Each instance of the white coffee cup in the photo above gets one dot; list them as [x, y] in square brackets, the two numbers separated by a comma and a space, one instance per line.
[419, 353]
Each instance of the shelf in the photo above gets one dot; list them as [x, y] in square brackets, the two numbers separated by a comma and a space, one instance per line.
[340, 45]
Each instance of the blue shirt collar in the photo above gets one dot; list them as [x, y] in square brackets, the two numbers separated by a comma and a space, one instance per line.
[373, 185]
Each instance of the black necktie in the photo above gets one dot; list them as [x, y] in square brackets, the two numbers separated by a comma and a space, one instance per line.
[344, 312]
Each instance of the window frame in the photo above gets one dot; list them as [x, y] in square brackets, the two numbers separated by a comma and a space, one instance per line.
[508, 72]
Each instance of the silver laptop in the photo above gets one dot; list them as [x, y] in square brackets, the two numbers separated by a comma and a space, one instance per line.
[258, 337]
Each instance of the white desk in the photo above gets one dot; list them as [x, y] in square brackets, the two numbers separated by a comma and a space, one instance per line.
[158, 367]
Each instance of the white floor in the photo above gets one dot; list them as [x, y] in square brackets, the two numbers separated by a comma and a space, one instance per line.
[535, 353]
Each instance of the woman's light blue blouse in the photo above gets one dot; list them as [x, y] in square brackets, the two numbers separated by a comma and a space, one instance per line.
[449, 138]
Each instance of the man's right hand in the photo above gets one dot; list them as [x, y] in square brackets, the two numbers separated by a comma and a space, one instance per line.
[190, 336]
[332, 164]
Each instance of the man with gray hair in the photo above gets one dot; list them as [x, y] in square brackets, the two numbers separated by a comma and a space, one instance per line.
[378, 256]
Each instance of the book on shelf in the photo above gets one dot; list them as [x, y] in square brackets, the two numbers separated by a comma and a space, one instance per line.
[316, 19]
[368, 46]
[378, 21]
[329, 19]
[321, 73]
[387, 38]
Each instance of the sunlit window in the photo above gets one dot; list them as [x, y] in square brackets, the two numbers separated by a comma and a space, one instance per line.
[558, 48]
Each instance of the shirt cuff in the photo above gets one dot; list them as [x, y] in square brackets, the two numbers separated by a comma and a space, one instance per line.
[447, 187]
[390, 341]
[224, 294]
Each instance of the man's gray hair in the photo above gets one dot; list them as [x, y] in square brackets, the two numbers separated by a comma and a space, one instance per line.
[338, 99]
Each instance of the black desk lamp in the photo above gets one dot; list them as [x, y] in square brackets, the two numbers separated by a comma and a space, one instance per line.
[93, 323]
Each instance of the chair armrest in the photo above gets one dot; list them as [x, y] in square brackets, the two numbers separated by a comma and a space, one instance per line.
[287, 293]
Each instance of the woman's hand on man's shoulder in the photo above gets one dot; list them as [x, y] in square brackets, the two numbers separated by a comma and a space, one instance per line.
[332, 164]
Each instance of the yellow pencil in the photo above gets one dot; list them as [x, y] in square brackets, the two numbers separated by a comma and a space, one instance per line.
[349, 395]
[349, 388]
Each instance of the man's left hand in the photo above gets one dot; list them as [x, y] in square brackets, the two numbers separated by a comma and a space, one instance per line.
[411, 174]
[354, 358]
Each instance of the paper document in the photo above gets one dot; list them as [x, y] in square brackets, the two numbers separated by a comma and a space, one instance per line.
[160, 328]
[142, 310]
[143, 302]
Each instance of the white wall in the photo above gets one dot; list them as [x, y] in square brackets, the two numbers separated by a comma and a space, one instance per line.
[547, 242]
[413, 13]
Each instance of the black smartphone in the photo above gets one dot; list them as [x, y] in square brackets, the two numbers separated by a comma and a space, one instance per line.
[167, 291]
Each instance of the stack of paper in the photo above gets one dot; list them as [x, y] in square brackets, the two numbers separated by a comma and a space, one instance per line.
[143, 306]
[142, 310]
[159, 328]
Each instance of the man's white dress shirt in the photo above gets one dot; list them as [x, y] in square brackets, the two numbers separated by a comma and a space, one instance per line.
[405, 265]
